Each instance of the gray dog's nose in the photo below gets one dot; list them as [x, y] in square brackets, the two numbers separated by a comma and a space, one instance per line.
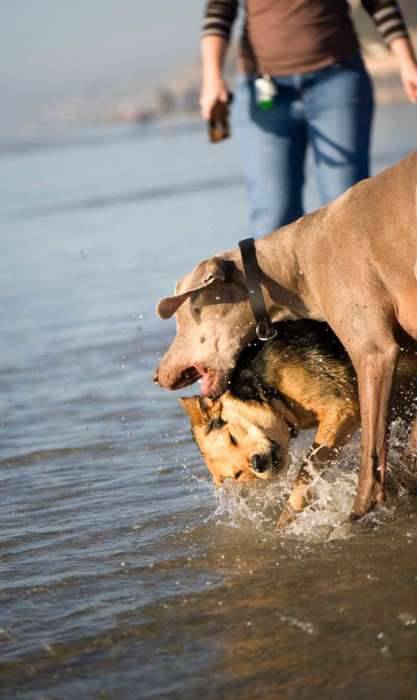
[259, 463]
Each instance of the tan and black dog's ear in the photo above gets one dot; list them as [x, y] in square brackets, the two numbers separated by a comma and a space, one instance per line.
[198, 409]
[202, 276]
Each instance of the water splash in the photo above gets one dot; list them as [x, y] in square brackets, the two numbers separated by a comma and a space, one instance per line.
[259, 504]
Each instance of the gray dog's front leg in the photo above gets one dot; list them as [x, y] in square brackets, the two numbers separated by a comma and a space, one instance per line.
[375, 376]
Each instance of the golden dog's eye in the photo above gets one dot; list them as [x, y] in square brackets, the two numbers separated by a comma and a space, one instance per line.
[216, 424]
[233, 439]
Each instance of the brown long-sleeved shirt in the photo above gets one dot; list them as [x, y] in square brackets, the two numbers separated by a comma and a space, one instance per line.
[282, 37]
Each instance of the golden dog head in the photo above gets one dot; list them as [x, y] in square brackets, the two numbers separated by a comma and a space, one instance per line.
[240, 440]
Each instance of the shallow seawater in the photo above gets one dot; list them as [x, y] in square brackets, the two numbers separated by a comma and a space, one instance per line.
[123, 572]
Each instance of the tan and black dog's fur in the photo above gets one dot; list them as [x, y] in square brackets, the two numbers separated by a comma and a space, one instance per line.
[301, 379]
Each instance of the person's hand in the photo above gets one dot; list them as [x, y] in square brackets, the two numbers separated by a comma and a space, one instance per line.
[402, 48]
[214, 89]
[408, 72]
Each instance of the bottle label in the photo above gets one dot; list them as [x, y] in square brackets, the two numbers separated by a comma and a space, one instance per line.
[265, 92]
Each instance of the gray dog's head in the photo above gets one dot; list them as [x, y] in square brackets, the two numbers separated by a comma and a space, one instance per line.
[214, 323]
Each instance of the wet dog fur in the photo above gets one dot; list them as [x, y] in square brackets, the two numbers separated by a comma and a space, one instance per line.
[301, 379]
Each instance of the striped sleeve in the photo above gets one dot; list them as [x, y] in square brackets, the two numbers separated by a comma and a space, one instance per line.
[219, 17]
[387, 17]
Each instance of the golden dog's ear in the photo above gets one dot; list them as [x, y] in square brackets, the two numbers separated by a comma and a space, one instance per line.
[202, 276]
[197, 408]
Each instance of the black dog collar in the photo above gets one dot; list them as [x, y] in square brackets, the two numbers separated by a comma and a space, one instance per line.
[264, 328]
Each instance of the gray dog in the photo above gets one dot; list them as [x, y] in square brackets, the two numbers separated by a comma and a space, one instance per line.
[352, 264]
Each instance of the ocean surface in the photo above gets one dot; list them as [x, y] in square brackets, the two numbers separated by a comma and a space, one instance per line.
[123, 572]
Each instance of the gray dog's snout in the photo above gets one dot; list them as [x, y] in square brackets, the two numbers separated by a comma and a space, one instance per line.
[259, 463]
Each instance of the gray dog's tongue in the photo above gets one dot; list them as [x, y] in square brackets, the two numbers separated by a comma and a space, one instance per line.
[205, 383]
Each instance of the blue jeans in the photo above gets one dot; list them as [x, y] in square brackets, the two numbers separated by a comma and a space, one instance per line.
[330, 111]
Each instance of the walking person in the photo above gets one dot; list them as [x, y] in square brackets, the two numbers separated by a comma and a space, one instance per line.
[301, 83]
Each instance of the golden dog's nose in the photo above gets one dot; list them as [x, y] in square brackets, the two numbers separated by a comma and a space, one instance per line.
[259, 463]
[155, 376]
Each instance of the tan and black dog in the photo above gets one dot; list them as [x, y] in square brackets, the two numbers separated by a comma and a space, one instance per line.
[303, 378]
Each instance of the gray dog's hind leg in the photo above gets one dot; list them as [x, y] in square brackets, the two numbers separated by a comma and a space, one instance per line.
[375, 367]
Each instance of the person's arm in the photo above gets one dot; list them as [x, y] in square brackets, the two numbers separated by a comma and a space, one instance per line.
[389, 21]
[217, 25]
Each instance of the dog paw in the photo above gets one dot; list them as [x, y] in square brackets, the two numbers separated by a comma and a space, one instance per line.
[364, 503]
[355, 515]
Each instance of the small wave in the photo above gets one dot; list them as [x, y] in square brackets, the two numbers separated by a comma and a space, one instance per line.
[132, 197]
[29, 458]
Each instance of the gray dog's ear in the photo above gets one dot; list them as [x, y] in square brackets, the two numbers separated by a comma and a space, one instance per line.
[202, 276]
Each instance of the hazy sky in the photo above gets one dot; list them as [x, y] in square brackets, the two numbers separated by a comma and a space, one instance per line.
[57, 47]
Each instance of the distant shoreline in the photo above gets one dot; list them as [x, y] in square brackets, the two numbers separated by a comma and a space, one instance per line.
[179, 98]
